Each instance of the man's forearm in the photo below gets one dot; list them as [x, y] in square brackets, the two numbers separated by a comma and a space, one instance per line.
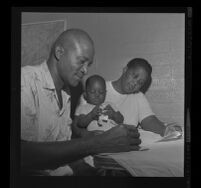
[47, 155]
[50, 155]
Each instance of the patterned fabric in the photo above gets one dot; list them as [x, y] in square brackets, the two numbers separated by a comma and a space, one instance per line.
[41, 118]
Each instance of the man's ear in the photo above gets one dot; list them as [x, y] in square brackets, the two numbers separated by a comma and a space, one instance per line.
[59, 51]
[125, 69]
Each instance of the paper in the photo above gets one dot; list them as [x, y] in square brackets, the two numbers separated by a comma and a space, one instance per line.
[173, 136]
[162, 159]
[155, 158]
[142, 148]
[149, 140]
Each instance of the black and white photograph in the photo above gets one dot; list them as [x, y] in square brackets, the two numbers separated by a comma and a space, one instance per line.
[104, 93]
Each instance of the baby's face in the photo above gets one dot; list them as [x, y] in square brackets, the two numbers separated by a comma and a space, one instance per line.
[95, 93]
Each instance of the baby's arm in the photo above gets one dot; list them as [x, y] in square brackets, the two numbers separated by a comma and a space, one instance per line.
[77, 131]
[84, 120]
[118, 117]
[114, 115]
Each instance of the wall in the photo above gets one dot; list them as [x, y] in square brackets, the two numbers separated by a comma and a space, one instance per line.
[37, 40]
[118, 37]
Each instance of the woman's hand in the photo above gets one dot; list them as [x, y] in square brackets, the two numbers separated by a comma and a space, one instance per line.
[172, 127]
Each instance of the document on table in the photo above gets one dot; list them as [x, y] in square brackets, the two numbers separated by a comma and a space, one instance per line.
[158, 156]
[170, 137]
[148, 137]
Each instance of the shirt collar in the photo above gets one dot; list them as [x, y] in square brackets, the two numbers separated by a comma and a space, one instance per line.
[48, 82]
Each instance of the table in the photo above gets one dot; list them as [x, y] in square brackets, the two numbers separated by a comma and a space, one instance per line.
[109, 167]
[162, 159]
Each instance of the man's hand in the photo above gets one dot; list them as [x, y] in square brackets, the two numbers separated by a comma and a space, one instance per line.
[121, 138]
[86, 133]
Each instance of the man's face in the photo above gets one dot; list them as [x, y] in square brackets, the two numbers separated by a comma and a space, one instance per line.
[75, 62]
[95, 93]
[133, 80]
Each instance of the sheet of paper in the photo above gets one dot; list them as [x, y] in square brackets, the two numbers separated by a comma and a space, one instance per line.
[173, 136]
[149, 139]
[162, 159]
[155, 159]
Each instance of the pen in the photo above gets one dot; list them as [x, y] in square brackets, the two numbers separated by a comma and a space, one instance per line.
[138, 126]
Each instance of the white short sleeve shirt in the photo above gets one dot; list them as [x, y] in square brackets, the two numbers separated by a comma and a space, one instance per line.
[134, 107]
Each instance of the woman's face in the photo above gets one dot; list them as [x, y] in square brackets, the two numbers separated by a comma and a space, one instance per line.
[133, 80]
[95, 93]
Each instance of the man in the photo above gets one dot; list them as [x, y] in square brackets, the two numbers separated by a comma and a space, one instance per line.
[45, 110]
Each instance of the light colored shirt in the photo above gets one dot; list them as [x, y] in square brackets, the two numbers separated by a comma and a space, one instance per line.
[41, 118]
[134, 107]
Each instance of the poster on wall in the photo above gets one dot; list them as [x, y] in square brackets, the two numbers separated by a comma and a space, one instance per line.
[36, 40]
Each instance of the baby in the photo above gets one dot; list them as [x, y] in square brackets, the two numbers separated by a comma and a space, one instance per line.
[97, 114]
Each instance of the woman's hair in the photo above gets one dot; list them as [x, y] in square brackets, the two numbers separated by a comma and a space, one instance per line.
[139, 62]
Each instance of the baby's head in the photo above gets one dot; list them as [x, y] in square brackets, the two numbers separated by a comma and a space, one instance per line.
[95, 90]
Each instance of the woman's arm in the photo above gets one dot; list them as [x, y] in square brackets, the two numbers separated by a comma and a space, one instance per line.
[153, 124]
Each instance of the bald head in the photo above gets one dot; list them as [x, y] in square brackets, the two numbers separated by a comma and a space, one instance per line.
[72, 38]
[71, 55]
